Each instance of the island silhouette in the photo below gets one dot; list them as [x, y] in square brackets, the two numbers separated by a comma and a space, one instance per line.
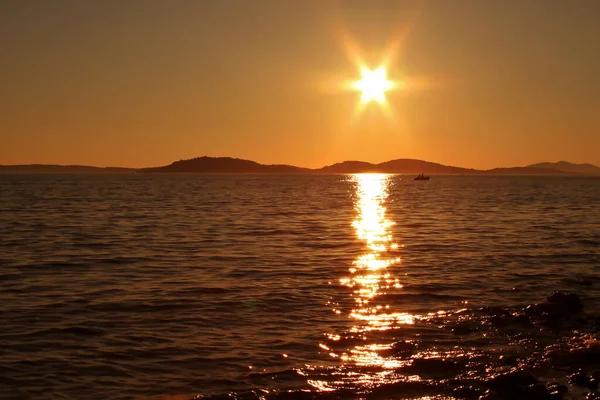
[237, 165]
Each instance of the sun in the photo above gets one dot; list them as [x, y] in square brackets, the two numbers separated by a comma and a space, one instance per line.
[373, 85]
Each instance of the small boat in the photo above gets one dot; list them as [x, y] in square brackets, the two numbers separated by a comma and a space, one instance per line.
[421, 178]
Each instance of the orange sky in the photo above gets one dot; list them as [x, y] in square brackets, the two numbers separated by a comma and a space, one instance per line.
[146, 82]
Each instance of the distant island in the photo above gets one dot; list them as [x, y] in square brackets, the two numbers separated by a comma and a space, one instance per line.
[236, 165]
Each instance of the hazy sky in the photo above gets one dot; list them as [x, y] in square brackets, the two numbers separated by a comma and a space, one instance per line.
[146, 82]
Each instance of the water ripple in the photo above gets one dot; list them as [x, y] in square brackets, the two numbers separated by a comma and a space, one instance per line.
[123, 287]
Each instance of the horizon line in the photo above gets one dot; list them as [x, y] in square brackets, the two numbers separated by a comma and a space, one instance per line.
[283, 164]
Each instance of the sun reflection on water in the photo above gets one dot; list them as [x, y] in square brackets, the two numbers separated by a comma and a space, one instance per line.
[366, 351]
[370, 279]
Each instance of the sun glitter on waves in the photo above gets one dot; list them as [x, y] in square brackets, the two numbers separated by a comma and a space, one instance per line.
[370, 278]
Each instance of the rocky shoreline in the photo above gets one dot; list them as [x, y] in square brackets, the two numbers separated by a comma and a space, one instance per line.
[551, 351]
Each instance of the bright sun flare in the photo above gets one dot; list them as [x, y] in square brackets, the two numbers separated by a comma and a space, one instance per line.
[373, 84]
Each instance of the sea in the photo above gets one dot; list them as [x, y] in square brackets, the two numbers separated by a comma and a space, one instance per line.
[241, 286]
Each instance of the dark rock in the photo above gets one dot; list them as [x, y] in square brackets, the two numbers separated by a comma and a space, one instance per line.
[537, 391]
[553, 320]
[538, 309]
[246, 395]
[490, 395]
[596, 375]
[454, 382]
[294, 395]
[408, 389]
[463, 329]
[593, 384]
[513, 384]
[340, 394]
[566, 301]
[557, 390]
[509, 359]
[572, 370]
[523, 319]
[495, 311]
[435, 367]
[513, 378]
[579, 378]
[466, 392]
[589, 355]
[500, 321]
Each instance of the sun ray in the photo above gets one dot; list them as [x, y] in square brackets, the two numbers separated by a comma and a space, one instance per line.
[378, 74]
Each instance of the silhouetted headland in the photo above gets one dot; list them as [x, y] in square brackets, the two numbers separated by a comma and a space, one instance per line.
[585, 169]
[236, 165]
[399, 166]
[224, 165]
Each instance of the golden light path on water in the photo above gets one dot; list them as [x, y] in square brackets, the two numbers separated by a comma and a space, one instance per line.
[369, 275]
[370, 279]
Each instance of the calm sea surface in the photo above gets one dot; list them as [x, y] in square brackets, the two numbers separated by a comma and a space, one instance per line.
[376, 286]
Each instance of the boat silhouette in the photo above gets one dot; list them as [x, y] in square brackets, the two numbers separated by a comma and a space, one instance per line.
[421, 177]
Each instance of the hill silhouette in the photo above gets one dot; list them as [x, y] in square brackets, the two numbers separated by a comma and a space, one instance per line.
[237, 165]
[585, 169]
[526, 171]
[349, 167]
[400, 166]
[223, 165]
